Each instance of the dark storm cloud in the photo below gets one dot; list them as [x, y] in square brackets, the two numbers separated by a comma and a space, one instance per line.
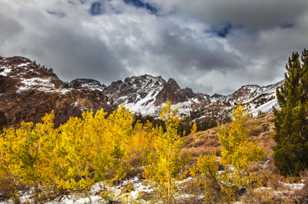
[79, 55]
[70, 50]
[211, 46]
[187, 53]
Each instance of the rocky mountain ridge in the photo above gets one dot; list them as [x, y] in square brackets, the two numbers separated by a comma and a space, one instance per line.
[29, 90]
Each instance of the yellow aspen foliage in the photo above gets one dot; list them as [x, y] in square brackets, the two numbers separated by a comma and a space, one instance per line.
[141, 144]
[194, 128]
[238, 150]
[206, 171]
[75, 155]
[164, 161]
[88, 149]
[93, 148]
[206, 165]
[24, 152]
[71, 165]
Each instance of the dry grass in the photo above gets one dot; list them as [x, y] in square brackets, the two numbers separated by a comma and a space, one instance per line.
[202, 143]
[261, 130]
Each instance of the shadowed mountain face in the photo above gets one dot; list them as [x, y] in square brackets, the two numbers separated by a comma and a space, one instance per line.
[29, 90]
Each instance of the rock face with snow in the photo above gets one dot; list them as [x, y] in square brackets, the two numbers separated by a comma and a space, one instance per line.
[145, 94]
[256, 98]
[29, 90]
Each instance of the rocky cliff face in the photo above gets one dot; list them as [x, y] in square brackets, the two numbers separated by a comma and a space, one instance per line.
[29, 90]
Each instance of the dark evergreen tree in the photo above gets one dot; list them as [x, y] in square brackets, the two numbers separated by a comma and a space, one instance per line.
[305, 78]
[291, 152]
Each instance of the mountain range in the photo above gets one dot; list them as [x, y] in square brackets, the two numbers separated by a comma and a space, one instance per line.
[29, 90]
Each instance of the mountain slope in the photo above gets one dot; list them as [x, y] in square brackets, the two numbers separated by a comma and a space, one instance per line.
[29, 90]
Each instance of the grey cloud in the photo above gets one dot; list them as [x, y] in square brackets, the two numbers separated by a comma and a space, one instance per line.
[112, 46]
[187, 53]
[66, 46]
[79, 55]
[9, 27]
[261, 14]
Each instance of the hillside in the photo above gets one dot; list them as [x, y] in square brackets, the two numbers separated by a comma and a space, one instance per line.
[261, 129]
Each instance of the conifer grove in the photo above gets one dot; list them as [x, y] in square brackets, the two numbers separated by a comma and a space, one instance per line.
[291, 152]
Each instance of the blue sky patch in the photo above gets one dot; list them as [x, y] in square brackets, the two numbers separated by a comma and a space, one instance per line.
[97, 8]
[142, 4]
[221, 30]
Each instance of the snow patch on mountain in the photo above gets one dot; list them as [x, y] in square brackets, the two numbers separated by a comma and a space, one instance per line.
[264, 108]
[256, 99]
[144, 106]
[4, 71]
[24, 64]
[142, 94]
[41, 84]
[36, 83]
[92, 87]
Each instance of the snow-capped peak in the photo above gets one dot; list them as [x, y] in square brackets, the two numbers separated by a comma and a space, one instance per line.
[142, 95]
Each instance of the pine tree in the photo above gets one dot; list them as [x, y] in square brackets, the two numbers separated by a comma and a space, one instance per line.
[291, 121]
[305, 84]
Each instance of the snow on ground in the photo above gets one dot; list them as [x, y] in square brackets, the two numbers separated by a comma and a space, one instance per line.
[116, 192]
[294, 186]
[181, 182]
[93, 197]
[76, 200]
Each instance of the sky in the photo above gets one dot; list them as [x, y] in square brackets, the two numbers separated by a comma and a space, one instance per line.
[209, 46]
